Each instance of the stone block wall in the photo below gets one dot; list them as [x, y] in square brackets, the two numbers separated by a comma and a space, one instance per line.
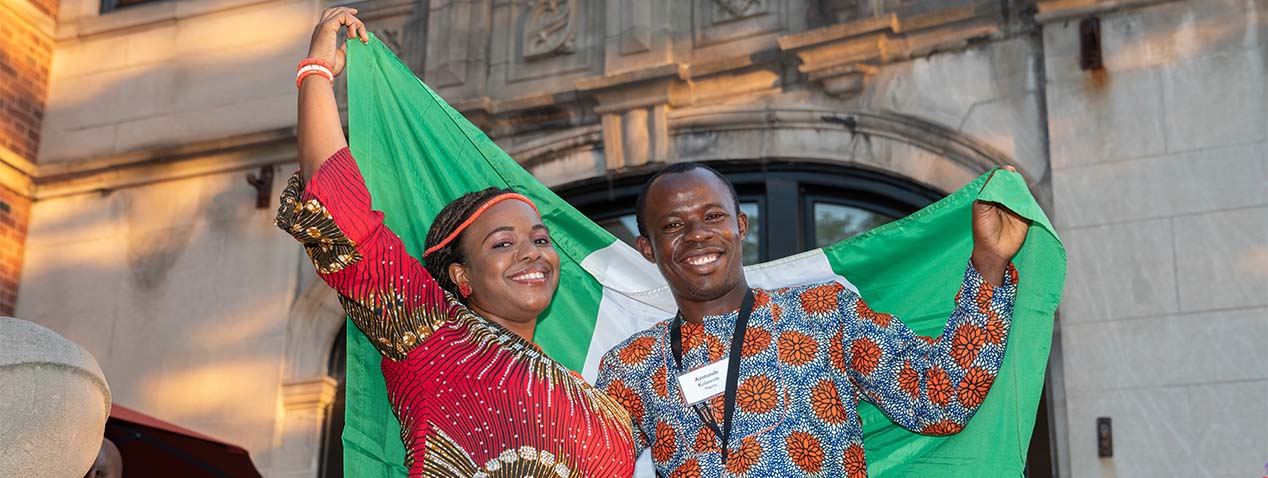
[165, 74]
[181, 289]
[145, 242]
[1160, 180]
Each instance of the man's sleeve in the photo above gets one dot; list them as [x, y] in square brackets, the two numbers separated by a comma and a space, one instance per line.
[928, 385]
[613, 379]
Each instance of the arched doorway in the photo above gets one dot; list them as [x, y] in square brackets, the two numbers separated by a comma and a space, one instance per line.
[312, 380]
[332, 429]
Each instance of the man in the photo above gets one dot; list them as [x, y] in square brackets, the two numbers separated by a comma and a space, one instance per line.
[807, 354]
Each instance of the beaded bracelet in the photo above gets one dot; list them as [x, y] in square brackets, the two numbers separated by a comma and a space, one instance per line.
[313, 66]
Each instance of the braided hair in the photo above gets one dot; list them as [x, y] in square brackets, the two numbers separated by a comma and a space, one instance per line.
[437, 263]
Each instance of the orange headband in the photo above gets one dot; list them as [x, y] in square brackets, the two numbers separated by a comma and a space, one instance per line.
[476, 215]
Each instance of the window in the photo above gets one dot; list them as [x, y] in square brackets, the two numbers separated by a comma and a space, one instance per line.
[792, 207]
[108, 6]
[834, 223]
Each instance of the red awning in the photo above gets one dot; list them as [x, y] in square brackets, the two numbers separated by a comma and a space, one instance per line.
[154, 448]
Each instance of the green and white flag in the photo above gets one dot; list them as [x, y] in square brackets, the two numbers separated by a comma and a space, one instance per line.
[417, 154]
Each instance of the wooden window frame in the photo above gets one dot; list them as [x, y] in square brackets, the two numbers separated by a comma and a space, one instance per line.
[108, 6]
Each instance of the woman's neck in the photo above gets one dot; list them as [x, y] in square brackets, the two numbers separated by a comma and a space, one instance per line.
[522, 328]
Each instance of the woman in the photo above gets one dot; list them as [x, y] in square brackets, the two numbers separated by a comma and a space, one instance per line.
[473, 394]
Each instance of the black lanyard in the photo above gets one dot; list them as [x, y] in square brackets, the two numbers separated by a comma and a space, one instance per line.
[732, 370]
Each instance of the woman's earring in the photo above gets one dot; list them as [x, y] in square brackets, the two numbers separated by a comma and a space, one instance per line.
[465, 290]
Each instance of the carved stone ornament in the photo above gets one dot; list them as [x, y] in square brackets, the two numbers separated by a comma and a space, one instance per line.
[740, 8]
[549, 28]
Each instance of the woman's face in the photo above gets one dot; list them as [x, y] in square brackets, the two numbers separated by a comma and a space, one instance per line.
[512, 266]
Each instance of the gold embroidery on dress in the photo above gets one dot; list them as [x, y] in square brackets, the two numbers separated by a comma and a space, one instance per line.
[311, 224]
[394, 329]
[445, 459]
[486, 335]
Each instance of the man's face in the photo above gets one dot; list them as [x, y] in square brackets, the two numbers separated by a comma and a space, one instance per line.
[694, 235]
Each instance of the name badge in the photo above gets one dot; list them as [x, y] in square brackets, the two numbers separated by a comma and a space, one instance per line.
[703, 383]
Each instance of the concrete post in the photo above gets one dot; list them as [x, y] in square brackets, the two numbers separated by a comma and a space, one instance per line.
[53, 403]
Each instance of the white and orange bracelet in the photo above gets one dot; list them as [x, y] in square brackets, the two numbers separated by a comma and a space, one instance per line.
[313, 66]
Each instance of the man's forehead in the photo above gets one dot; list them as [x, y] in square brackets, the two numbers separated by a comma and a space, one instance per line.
[694, 185]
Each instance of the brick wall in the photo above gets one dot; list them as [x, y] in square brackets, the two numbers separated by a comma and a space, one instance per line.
[14, 210]
[47, 6]
[25, 56]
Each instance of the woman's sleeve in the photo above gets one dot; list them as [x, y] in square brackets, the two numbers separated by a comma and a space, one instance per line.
[386, 292]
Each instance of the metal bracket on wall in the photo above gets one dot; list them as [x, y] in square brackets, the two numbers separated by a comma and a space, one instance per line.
[1090, 57]
[1104, 438]
[263, 186]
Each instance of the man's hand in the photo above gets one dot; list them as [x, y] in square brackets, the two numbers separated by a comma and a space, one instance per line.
[997, 236]
[325, 41]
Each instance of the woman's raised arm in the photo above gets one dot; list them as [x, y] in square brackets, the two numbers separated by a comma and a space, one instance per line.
[320, 133]
[387, 292]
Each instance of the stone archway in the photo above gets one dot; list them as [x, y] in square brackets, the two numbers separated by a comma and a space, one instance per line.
[307, 390]
[902, 145]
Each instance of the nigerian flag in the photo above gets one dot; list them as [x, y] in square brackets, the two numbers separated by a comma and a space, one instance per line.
[417, 153]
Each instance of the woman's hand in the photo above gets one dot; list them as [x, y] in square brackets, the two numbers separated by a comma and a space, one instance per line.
[325, 43]
[319, 132]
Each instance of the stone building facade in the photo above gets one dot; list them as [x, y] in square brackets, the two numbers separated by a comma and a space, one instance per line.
[1141, 125]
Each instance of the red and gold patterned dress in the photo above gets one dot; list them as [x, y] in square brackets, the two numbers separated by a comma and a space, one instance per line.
[473, 399]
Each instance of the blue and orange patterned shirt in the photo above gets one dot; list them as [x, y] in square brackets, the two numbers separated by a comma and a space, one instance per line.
[809, 355]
